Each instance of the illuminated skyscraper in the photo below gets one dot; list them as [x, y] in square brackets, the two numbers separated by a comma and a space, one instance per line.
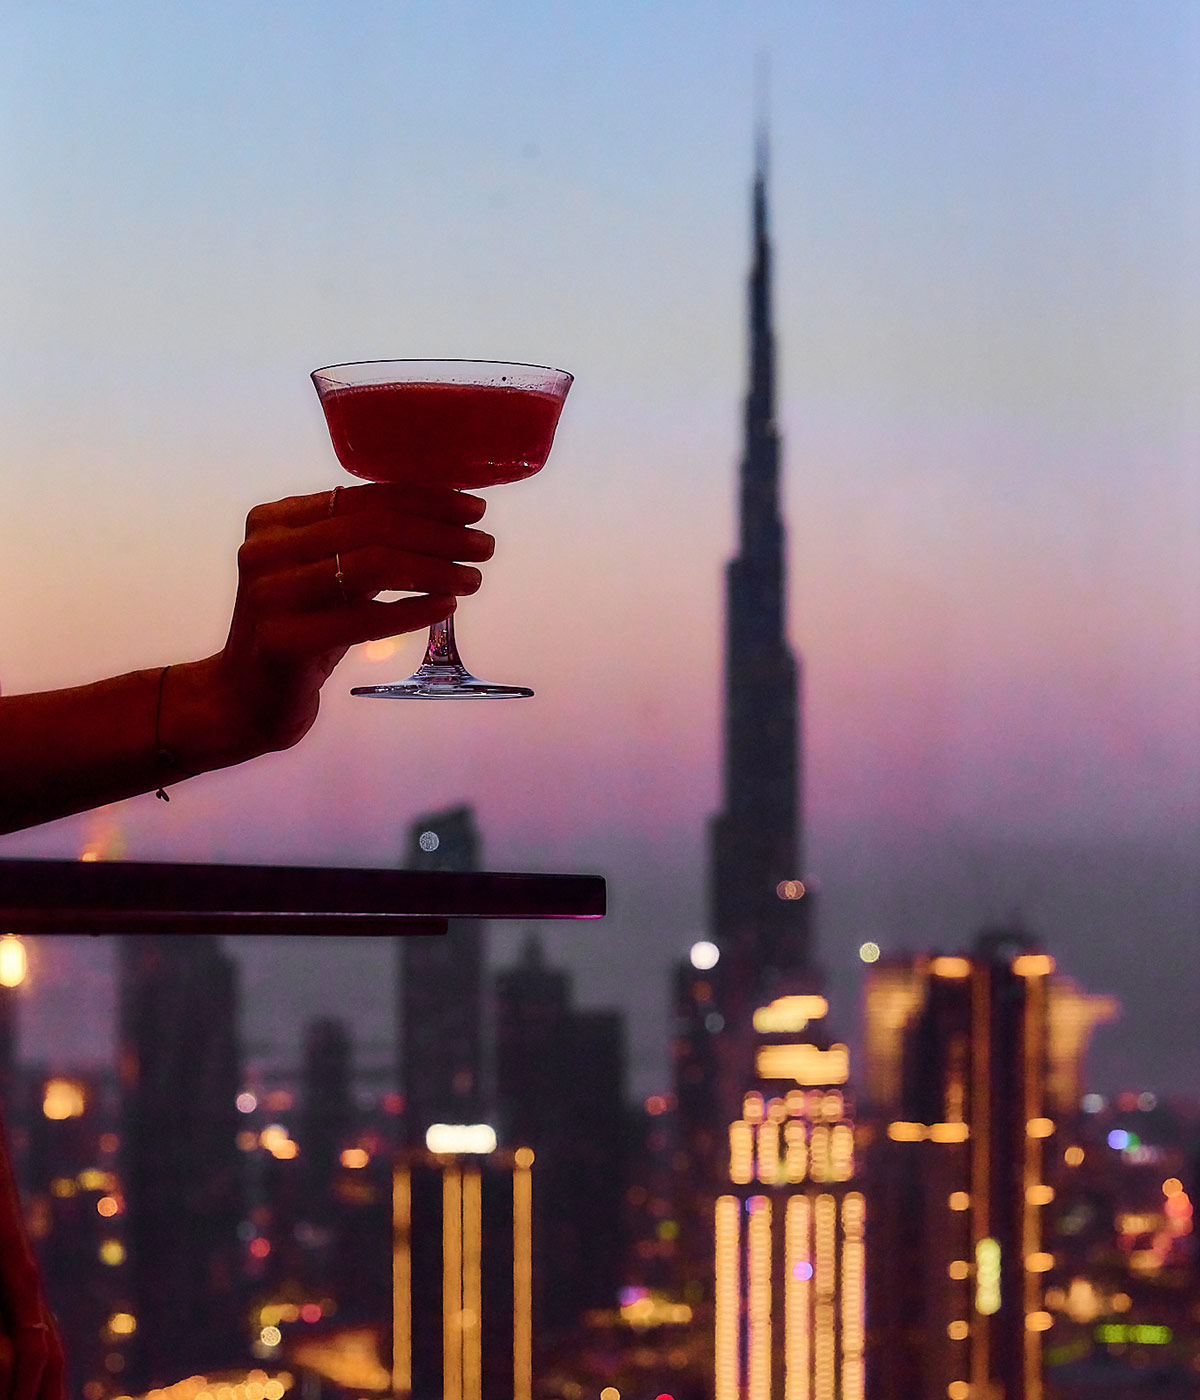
[463, 1270]
[179, 1067]
[972, 1074]
[441, 992]
[790, 1222]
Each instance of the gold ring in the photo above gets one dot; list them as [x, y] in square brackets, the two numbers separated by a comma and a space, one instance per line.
[333, 495]
[340, 578]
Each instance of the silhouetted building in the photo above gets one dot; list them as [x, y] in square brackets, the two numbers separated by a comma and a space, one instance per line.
[972, 1074]
[326, 1114]
[178, 1062]
[441, 992]
[758, 922]
[760, 912]
[560, 1080]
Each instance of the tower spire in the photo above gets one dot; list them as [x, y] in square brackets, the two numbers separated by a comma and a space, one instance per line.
[756, 838]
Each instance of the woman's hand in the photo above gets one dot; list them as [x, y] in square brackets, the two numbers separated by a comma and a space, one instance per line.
[308, 575]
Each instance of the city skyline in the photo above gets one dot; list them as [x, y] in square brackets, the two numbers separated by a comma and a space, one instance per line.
[985, 233]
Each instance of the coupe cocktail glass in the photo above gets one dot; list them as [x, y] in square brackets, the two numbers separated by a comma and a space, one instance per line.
[460, 423]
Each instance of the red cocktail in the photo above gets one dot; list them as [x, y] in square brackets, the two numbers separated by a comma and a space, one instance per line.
[465, 435]
[460, 423]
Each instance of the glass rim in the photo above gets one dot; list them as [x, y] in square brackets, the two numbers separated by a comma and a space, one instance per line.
[510, 364]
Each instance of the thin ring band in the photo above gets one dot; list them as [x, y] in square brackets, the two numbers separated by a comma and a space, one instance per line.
[340, 578]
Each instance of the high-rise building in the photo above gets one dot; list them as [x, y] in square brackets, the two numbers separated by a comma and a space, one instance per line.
[760, 912]
[790, 1221]
[441, 992]
[972, 1077]
[758, 921]
[560, 1089]
[326, 1114]
[462, 1324]
[179, 1068]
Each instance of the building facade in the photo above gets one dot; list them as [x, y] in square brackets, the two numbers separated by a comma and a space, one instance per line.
[972, 1076]
[462, 1323]
[790, 1222]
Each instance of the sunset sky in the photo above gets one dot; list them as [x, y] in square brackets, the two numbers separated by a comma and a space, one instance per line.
[987, 231]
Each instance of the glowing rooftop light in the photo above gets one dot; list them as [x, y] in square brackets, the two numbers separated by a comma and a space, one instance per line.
[450, 1138]
[869, 952]
[951, 967]
[1033, 965]
[13, 961]
[704, 955]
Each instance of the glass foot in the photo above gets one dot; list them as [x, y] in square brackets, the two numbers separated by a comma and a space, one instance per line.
[441, 682]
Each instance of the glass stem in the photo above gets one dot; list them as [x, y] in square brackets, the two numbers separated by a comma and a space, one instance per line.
[442, 650]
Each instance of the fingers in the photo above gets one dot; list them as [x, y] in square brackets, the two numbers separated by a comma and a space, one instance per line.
[365, 573]
[431, 502]
[297, 636]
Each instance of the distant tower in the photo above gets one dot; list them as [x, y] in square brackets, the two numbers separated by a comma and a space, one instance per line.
[760, 912]
[972, 1070]
[757, 919]
[441, 992]
[179, 1066]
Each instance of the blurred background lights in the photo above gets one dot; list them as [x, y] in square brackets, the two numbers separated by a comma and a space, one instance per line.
[429, 841]
[1118, 1139]
[270, 1336]
[246, 1102]
[790, 889]
[112, 1253]
[355, 1157]
[1092, 1103]
[381, 650]
[869, 952]
[704, 955]
[13, 961]
[802, 1270]
[610, 1392]
[62, 1098]
[1146, 1102]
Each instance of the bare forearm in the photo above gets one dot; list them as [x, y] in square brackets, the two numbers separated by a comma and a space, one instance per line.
[65, 751]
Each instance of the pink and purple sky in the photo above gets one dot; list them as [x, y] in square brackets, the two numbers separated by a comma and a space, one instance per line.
[987, 233]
